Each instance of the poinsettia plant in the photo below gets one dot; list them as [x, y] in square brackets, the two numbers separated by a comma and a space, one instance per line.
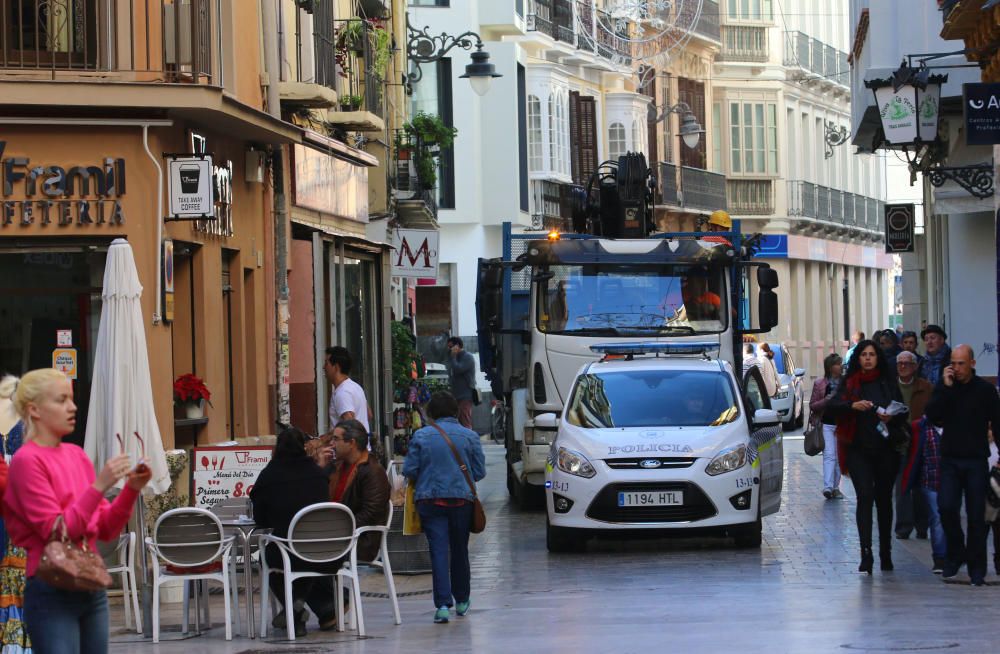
[189, 388]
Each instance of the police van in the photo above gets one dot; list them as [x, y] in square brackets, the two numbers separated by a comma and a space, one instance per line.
[662, 436]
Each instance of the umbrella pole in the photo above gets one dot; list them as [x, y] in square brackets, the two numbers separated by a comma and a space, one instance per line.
[146, 592]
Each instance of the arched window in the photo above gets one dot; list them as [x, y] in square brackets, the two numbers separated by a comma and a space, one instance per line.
[535, 157]
[617, 145]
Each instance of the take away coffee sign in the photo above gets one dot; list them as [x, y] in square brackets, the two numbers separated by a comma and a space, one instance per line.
[415, 253]
[899, 221]
[222, 473]
[190, 187]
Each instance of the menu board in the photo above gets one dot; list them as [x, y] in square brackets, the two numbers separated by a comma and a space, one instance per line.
[222, 473]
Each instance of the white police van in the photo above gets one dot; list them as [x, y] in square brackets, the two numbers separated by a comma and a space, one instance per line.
[662, 436]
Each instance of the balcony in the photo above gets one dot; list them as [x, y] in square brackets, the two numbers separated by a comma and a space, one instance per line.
[553, 18]
[415, 197]
[750, 197]
[744, 43]
[699, 189]
[56, 37]
[815, 58]
[708, 22]
[833, 209]
[363, 60]
[552, 204]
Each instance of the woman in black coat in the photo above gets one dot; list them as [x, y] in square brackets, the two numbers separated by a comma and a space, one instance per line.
[291, 481]
[865, 446]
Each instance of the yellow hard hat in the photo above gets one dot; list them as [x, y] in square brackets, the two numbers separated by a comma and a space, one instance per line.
[720, 218]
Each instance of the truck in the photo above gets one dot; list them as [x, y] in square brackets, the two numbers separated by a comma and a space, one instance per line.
[551, 296]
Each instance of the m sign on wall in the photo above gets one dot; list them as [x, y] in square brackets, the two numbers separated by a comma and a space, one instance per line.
[415, 253]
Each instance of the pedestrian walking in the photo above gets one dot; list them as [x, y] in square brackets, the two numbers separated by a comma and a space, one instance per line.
[54, 481]
[825, 389]
[966, 405]
[347, 398]
[768, 370]
[865, 451]
[911, 512]
[889, 344]
[462, 377]
[909, 343]
[856, 338]
[938, 354]
[13, 633]
[922, 474]
[444, 499]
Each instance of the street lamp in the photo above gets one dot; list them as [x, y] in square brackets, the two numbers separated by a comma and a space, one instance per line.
[690, 130]
[422, 48]
[909, 104]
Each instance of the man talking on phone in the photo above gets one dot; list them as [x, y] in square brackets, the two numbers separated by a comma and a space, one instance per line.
[966, 405]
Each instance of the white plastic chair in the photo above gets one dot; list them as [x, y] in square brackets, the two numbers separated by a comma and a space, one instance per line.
[124, 550]
[380, 561]
[319, 533]
[189, 538]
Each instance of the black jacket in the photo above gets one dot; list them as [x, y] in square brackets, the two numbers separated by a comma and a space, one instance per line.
[284, 487]
[965, 411]
[880, 392]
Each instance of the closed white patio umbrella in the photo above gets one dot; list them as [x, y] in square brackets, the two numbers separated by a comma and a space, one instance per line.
[121, 398]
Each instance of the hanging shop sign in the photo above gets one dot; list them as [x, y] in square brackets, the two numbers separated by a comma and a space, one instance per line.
[222, 473]
[64, 360]
[57, 195]
[899, 220]
[416, 253]
[189, 186]
[981, 110]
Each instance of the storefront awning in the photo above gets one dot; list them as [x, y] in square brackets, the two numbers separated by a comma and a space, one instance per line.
[347, 238]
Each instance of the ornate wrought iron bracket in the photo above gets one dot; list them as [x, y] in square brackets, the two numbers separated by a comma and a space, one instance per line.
[977, 180]
[425, 48]
[833, 137]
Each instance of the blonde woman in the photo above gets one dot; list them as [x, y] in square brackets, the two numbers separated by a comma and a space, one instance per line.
[49, 479]
[13, 634]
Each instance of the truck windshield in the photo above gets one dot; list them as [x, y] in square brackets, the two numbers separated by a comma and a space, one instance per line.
[652, 398]
[631, 299]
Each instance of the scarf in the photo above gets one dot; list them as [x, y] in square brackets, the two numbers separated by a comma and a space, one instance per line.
[847, 423]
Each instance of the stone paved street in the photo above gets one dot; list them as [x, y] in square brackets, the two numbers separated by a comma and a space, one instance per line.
[799, 593]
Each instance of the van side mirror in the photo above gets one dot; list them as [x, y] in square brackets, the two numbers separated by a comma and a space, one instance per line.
[767, 309]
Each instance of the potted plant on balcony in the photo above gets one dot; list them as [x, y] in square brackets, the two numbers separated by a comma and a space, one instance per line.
[350, 102]
[430, 134]
[351, 35]
[190, 393]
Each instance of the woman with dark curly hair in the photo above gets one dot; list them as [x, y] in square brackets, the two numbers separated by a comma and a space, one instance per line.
[865, 450]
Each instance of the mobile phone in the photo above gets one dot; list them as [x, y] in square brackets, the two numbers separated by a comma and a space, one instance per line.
[140, 467]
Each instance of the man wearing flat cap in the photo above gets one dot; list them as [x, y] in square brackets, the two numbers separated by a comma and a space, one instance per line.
[938, 354]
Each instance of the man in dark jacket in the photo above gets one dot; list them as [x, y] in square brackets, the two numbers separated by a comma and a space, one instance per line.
[360, 482]
[938, 353]
[462, 375]
[966, 405]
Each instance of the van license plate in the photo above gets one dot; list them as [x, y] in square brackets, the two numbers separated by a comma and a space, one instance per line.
[651, 498]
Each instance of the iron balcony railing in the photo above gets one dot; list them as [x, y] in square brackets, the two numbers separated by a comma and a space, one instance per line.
[699, 189]
[552, 202]
[819, 202]
[708, 23]
[814, 56]
[744, 43]
[360, 74]
[158, 40]
[615, 47]
[406, 181]
[540, 16]
[750, 197]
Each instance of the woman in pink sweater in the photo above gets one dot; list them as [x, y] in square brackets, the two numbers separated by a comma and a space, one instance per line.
[49, 478]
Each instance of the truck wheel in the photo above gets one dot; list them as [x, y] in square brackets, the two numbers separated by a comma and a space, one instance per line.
[751, 535]
[562, 539]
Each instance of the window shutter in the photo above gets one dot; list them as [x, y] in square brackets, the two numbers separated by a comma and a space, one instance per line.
[693, 93]
[587, 119]
[654, 155]
[574, 134]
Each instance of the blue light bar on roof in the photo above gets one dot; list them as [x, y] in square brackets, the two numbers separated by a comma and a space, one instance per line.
[654, 348]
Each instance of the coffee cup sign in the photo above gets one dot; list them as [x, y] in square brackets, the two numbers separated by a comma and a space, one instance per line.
[190, 187]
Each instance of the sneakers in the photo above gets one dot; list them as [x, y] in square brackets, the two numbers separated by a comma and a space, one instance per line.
[949, 573]
[979, 581]
[461, 608]
[837, 495]
[441, 615]
[279, 621]
[828, 493]
[938, 566]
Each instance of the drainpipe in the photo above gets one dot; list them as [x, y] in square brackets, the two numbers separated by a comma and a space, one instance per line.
[158, 314]
[269, 24]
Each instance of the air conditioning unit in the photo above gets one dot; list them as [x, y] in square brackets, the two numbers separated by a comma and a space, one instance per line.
[177, 33]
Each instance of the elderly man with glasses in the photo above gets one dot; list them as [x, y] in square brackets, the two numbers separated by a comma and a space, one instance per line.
[911, 512]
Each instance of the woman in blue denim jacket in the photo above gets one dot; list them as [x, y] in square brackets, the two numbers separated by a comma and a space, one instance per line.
[444, 499]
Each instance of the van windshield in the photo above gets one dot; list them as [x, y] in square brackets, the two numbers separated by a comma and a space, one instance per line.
[652, 398]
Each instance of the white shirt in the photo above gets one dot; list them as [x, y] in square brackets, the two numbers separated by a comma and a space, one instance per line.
[349, 396]
[770, 374]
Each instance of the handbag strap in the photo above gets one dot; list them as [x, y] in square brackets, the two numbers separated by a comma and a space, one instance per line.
[458, 459]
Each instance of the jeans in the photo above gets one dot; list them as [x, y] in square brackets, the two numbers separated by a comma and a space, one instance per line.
[873, 472]
[65, 622]
[831, 466]
[317, 592]
[447, 531]
[968, 476]
[939, 545]
[911, 510]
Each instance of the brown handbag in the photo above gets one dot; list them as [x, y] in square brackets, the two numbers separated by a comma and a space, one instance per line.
[478, 513]
[67, 566]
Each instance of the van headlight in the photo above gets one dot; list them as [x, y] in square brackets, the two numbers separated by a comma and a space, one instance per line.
[727, 460]
[575, 463]
[782, 393]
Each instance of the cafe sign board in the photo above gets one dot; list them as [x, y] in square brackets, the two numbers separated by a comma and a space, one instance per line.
[190, 187]
[415, 253]
[899, 220]
[222, 473]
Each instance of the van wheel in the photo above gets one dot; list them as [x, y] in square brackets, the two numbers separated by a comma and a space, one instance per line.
[751, 535]
[562, 539]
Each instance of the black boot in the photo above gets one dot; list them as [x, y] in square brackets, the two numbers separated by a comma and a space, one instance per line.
[885, 560]
[867, 560]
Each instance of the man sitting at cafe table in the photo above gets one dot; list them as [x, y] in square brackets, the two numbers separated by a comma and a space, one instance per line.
[360, 482]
